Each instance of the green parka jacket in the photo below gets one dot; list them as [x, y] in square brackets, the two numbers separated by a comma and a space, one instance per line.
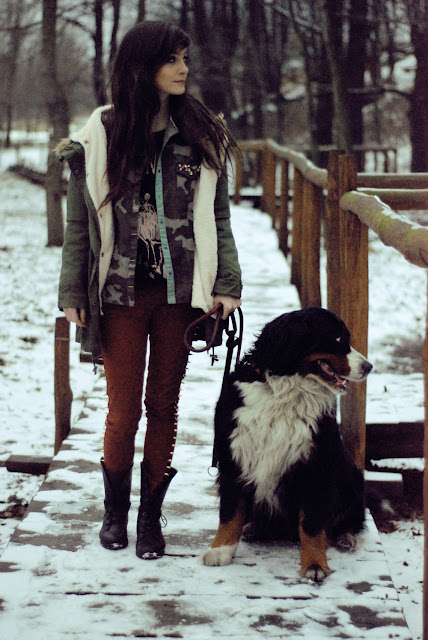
[80, 285]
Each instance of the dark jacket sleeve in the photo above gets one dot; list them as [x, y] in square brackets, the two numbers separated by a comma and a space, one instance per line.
[73, 282]
[228, 281]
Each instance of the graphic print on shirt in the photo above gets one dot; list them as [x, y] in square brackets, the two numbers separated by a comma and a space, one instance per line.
[148, 233]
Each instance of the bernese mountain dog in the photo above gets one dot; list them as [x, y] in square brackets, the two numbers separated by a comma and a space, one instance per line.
[283, 468]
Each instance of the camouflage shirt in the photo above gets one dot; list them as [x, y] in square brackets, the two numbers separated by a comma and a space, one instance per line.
[176, 173]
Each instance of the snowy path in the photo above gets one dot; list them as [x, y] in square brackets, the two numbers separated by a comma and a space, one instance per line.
[56, 581]
[257, 596]
[62, 584]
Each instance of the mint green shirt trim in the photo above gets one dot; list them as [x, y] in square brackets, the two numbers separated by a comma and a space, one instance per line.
[171, 130]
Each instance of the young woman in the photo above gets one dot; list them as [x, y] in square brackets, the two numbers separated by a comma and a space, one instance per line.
[148, 245]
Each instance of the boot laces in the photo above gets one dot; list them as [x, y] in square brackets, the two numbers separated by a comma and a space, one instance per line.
[152, 523]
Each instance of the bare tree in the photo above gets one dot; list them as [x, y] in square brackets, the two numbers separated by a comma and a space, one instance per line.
[57, 108]
[16, 30]
[319, 98]
[216, 31]
[418, 114]
[331, 24]
[141, 13]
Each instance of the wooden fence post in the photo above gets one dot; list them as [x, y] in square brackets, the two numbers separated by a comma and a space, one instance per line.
[354, 310]
[269, 183]
[283, 208]
[332, 233]
[297, 231]
[62, 389]
[310, 245]
[239, 170]
[425, 486]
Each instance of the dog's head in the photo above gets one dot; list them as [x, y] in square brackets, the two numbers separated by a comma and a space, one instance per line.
[311, 342]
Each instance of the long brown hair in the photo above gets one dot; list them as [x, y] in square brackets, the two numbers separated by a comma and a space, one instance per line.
[135, 102]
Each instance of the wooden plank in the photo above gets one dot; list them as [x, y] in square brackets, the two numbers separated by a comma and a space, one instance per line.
[354, 309]
[28, 464]
[283, 208]
[297, 231]
[332, 237]
[392, 180]
[311, 241]
[62, 389]
[239, 170]
[400, 440]
[269, 182]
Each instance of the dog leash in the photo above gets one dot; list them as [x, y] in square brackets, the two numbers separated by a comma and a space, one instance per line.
[234, 339]
[199, 322]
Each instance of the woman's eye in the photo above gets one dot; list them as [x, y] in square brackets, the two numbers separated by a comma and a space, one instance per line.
[171, 59]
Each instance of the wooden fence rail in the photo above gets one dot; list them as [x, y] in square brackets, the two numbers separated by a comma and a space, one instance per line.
[345, 204]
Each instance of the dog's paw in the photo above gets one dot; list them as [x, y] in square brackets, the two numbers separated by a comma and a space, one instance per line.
[346, 542]
[219, 556]
[316, 573]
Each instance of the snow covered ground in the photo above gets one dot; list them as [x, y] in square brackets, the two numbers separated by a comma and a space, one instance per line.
[28, 278]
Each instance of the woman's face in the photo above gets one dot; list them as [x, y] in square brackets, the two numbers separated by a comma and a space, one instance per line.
[171, 77]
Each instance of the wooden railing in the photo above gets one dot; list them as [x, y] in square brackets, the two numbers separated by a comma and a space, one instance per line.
[348, 203]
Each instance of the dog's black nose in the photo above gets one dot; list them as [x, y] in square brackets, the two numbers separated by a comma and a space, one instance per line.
[366, 367]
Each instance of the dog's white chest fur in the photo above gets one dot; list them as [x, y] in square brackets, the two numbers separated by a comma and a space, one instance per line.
[275, 428]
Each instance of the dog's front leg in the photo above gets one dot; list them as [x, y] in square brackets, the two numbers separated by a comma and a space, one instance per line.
[226, 540]
[313, 556]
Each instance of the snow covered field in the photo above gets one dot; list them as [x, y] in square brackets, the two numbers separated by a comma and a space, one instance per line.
[28, 278]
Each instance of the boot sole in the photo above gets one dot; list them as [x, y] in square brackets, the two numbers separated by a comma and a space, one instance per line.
[150, 555]
[114, 546]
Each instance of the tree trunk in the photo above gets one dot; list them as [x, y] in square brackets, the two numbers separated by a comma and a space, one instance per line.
[99, 84]
[355, 70]
[184, 15]
[418, 113]
[216, 51]
[15, 39]
[331, 24]
[141, 16]
[115, 28]
[58, 113]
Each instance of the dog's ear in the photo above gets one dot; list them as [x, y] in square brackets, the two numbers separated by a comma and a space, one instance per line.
[287, 340]
[279, 346]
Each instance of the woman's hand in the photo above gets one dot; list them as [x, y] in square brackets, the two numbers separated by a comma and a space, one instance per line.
[229, 304]
[75, 315]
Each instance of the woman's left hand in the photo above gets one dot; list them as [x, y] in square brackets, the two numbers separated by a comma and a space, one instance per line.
[229, 304]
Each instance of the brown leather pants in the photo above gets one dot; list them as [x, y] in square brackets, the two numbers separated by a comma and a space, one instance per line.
[125, 331]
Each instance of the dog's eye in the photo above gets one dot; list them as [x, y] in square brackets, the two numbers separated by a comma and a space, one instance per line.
[339, 339]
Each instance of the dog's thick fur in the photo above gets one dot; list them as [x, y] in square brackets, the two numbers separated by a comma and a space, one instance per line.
[282, 464]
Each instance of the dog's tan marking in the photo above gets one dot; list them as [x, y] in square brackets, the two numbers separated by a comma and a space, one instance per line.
[225, 543]
[230, 532]
[313, 555]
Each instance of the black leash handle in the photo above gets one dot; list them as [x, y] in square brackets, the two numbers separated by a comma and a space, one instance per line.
[189, 331]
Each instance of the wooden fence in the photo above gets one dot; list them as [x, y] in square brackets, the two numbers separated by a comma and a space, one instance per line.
[303, 200]
[345, 204]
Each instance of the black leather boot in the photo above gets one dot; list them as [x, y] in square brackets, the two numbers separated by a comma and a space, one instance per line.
[150, 541]
[117, 486]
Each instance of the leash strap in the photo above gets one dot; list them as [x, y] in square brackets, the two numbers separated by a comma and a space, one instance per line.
[234, 340]
[192, 326]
